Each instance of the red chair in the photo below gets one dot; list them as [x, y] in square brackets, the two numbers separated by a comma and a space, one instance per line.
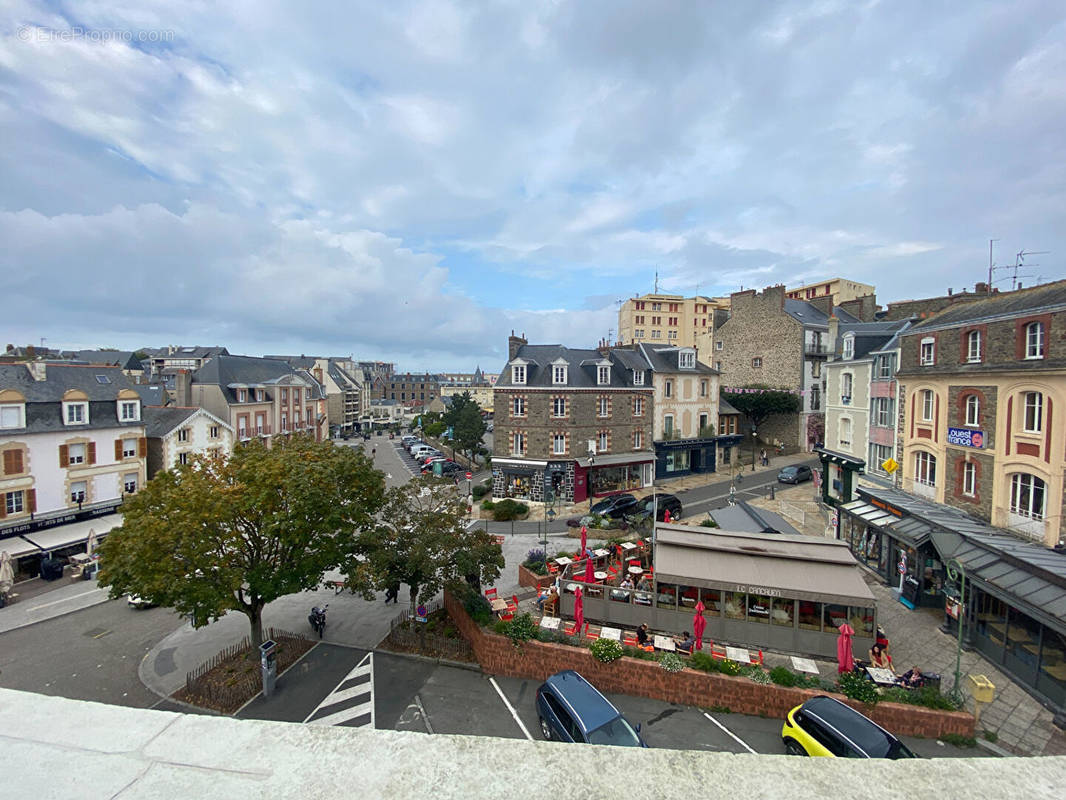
[512, 604]
[589, 634]
[506, 616]
[553, 568]
[629, 640]
[572, 629]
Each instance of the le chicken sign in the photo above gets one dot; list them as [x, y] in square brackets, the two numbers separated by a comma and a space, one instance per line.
[966, 437]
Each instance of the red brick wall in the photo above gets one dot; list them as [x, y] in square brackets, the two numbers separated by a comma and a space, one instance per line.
[538, 660]
[530, 579]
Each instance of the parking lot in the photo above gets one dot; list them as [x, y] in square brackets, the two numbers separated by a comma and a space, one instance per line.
[410, 694]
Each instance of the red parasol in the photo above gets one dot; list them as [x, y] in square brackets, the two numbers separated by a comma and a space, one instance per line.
[579, 612]
[699, 624]
[845, 660]
[589, 576]
[666, 516]
[584, 539]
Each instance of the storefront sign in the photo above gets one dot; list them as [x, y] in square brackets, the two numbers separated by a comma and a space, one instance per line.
[61, 519]
[966, 437]
[764, 590]
[885, 507]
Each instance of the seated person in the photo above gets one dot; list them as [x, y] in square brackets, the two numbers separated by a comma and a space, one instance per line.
[912, 678]
[642, 635]
[687, 643]
[626, 583]
[644, 584]
[879, 658]
[542, 595]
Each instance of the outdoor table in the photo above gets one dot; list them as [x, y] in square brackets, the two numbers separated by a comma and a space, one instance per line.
[550, 623]
[80, 559]
[804, 665]
[611, 633]
[601, 553]
[664, 643]
[562, 561]
[499, 604]
[636, 571]
[882, 677]
[738, 654]
[600, 576]
[570, 587]
[628, 546]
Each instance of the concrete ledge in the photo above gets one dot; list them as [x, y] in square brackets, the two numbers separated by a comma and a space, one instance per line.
[73, 749]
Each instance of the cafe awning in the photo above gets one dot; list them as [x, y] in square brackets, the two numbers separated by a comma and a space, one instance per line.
[799, 567]
[74, 533]
[912, 532]
[17, 547]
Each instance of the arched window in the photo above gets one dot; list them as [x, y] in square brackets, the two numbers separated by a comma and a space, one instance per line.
[1027, 495]
[973, 410]
[1034, 340]
[973, 346]
[925, 468]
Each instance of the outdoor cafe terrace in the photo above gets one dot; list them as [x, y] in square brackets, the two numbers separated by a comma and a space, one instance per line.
[786, 594]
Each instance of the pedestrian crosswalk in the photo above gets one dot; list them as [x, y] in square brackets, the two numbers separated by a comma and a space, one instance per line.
[351, 703]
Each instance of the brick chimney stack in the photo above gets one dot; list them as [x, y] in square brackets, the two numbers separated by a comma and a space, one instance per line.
[514, 343]
[183, 388]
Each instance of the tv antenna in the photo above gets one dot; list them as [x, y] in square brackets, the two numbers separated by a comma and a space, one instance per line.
[1019, 264]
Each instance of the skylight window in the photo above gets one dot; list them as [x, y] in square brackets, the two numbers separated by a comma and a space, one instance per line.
[103, 379]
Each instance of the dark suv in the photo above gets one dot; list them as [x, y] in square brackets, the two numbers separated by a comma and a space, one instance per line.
[616, 506]
[572, 710]
[660, 504]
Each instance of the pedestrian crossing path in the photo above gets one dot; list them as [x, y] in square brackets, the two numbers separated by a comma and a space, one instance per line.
[351, 703]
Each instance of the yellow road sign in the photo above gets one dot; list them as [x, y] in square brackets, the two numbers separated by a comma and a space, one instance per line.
[890, 465]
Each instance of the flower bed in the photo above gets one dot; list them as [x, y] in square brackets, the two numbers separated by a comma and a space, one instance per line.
[537, 660]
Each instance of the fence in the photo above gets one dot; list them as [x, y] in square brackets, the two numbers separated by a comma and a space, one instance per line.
[241, 685]
[416, 637]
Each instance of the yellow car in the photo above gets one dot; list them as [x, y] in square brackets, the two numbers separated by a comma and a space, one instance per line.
[824, 726]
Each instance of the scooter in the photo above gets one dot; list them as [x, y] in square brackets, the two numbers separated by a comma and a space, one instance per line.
[317, 618]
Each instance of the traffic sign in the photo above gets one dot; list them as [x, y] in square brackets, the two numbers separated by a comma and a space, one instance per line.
[903, 567]
[420, 614]
[469, 475]
[890, 465]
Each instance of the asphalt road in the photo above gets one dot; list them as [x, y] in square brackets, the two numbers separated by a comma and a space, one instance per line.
[91, 654]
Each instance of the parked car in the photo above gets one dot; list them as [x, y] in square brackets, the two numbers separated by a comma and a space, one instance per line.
[824, 726]
[659, 503]
[572, 710]
[616, 506]
[136, 601]
[794, 474]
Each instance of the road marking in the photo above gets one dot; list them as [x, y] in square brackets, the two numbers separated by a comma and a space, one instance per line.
[101, 635]
[510, 708]
[64, 600]
[425, 716]
[736, 738]
[338, 695]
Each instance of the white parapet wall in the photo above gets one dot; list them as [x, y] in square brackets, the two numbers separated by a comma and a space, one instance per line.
[54, 747]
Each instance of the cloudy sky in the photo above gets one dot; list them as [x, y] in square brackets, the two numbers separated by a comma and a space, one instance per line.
[411, 181]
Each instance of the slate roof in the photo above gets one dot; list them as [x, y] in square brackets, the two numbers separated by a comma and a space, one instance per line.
[44, 410]
[116, 358]
[747, 519]
[158, 422]
[725, 407]
[1022, 302]
[582, 367]
[666, 359]
[870, 336]
[808, 314]
[194, 351]
[152, 394]
[227, 371]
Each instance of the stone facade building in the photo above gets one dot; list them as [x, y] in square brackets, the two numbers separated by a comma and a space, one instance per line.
[984, 423]
[571, 423]
[412, 391]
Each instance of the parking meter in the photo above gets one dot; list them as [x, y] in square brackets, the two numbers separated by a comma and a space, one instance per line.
[268, 660]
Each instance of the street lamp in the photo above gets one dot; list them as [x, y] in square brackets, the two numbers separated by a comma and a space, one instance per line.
[958, 574]
[752, 448]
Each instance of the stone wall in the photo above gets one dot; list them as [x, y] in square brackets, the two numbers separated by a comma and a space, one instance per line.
[758, 327]
[537, 660]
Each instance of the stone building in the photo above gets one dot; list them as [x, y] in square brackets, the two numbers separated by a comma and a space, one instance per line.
[985, 417]
[413, 391]
[571, 423]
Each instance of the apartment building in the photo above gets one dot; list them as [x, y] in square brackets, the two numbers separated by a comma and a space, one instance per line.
[164, 363]
[572, 423]
[411, 391]
[838, 290]
[668, 319]
[346, 386]
[73, 445]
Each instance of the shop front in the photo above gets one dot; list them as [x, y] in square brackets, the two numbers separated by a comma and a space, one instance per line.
[788, 594]
[610, 474]
[533, 481]
[675, 458]
[839, 471]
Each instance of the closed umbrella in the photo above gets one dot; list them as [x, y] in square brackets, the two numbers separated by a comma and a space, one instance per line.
[666, 516]
[699, 625]
[589, 576]
[845, 660]
[7, 573]
[90, 543]
[584, 539]
[579, 612]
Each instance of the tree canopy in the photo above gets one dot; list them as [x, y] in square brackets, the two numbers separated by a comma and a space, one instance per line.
[468, 426]
[422, 540]
[762, 402]
[220, 534]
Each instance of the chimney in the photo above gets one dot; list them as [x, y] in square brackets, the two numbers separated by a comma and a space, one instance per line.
[950, 290]
[823, 303]
[834, 329]
[981, 288]
[37, 370]
[513, 345]
[604, 347]
[183, 388]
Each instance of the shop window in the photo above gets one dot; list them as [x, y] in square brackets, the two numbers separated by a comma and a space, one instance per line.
[712, 602]
[688, 597]
[758, 608]
[991, 619]
[667, 596]
[861, 621]
[735, 603]
[1023, 637]
[810, 615]
[833, 616]
[783, 613]
[1051, 679]
[518, 486]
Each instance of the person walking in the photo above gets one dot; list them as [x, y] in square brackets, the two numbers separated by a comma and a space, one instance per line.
[762, 456]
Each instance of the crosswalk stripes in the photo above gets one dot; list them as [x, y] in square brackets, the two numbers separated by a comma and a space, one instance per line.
[351, 703]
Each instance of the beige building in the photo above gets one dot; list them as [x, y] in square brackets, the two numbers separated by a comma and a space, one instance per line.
[840, 289]
[175, 434]
[669, 320]
[482, 395]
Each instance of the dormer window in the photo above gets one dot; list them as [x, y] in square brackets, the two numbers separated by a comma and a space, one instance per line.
[242, 395]
[76, 413]
[260, 395]
[518, 374]
[849, 346]
[603, 375]
[12, 415]
[686, 359]
[559, 374]
[129, 410]
[638, 377]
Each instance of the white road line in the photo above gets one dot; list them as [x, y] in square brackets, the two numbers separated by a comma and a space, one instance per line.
[64, 600]
[363, 667]
[425, 716]
[510, 708]
[736, 738]
[346, 715]
[345, 694]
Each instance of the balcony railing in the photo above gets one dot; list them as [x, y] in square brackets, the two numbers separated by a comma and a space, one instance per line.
[816, 349]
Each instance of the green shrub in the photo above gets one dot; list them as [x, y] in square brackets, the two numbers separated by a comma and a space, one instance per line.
[480, 491]
[857, 687]
[508, 509]
[487, 505]
[926, 696]
[502, 627]
[755, 673]
[702, 661]
[606, 650]
[671, 662]
[708, 523]
[636, 652]
[783, 676]
[958, 740]
[728, 667]
[990, 736]
[522, 629]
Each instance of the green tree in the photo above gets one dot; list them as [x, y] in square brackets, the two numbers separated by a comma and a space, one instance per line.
[422, 540]
[759, 405]
[455, 409]
[217, 534]
[469, 428]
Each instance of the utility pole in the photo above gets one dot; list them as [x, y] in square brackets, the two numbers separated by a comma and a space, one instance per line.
[656, 282]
